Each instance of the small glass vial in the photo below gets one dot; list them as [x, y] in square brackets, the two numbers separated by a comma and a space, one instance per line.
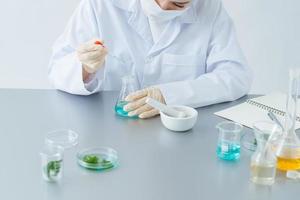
[229, 147]
[52, 163]
[263, 161]
[129, 85]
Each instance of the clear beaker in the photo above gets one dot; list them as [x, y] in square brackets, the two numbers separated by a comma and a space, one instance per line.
[263, 161]
[229, 147]
[52, 163]
[288, 152]
[129, 85]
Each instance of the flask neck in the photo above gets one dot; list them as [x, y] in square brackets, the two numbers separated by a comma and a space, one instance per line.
[129, 85]
[261, 144]
[292, 101]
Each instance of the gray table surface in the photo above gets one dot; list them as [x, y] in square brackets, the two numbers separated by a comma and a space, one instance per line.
[155, 164]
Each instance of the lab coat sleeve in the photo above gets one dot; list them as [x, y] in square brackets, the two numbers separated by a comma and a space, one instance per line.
[65, 69]
[227, 77]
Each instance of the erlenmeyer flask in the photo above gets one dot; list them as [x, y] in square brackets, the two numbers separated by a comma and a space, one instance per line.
[129, 85]
[263, 161]
[288, 151]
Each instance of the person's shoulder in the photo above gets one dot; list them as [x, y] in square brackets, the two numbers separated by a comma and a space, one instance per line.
[207, 7]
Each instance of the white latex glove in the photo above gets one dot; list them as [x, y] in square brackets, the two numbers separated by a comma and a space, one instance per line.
[138, 106]
[92, 55]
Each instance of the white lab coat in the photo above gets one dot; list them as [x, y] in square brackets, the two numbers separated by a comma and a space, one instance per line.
[197, 61]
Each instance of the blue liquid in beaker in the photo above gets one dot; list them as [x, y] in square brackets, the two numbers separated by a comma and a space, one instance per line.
[119, 108]
[228, 150]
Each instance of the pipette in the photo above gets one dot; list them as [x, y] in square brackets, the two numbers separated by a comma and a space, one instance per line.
[165, 109]
[275, 119]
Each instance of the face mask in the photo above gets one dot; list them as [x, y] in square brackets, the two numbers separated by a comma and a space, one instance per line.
[154, 11]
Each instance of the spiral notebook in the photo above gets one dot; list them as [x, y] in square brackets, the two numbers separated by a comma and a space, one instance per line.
[257, 109]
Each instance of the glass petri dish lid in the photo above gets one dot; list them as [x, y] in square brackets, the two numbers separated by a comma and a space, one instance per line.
[64, 138]
[99, 158]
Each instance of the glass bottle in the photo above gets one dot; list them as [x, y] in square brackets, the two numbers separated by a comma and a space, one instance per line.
[129, 85]
[263, 161]
[288, 151]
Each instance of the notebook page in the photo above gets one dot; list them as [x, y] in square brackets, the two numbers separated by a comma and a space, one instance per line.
[247, 114]
[276, 100]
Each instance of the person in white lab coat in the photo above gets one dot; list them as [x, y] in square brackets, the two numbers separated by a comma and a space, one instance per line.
[182, 51]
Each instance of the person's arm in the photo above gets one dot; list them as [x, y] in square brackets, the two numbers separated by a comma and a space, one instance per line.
[227, 78]
[66, 72]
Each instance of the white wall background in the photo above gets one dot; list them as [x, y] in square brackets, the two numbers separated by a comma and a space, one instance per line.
[268, 30]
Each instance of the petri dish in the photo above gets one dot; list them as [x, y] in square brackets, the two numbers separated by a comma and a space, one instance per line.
[100, 158]
[64, 138]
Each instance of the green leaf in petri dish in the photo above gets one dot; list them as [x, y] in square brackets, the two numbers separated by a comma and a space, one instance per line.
[93, 160]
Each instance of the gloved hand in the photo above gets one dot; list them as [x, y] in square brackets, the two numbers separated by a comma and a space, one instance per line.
[92, 55]
[138, 106]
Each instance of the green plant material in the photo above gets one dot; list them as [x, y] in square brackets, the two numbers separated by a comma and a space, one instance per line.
[91, 159]
[97, 160]
[107, 163]
[53, 169]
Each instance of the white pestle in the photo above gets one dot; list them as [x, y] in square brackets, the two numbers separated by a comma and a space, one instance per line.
[165, 109]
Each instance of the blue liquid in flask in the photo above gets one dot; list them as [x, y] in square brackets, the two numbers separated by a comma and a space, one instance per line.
[119, 108]
[228, 150]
